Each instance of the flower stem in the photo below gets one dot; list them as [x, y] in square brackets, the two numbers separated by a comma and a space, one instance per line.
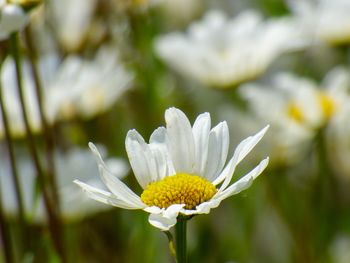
[325, 194]
[13, 165]
[171, 244]
[55, 224]
[47, 129]
[180, 230]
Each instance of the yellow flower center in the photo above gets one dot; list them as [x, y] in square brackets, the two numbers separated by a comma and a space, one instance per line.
[295, 113]
[180, 188]
[327, 105]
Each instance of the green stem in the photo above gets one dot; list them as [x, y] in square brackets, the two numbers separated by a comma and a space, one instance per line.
[325, 195]
[47, 129]
[55, 225]
[171, 244]
[181, 244]
[13, 165]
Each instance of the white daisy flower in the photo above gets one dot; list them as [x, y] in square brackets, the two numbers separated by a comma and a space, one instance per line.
[12, 19]
[182, 170]
[325, 20]
[223, 52]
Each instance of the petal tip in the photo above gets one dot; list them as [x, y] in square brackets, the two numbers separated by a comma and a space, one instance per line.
[92, 147]
[77, 182]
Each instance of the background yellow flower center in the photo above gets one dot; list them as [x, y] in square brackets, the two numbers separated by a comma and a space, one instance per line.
[295, 113]
[327, 105]
[181, 188]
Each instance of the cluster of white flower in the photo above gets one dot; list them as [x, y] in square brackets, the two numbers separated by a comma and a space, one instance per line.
[223, 52]
[324, 20]
[184, 169]
[298, 107]
[72, 164]
[74, 87]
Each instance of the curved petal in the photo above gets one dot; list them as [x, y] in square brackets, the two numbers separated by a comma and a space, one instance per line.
[180, 140]
[203, 208]
[167, 218]
[173, 210]
[112, 181]
[241, 151]
[244, 182]
[200, 130]
[98, 156]
[217, 150]
[119, 189]
[163, 223]
[141, 158]
[153, 209]
[104, 196]
[160, 153]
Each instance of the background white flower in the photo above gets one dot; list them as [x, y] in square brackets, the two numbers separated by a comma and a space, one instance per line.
[73, 88]
[85, 88]
[178, 153]
[12, 18]
[12, 101]
[69, 165]
[297, 107]
[324, 20]
[222, 52]
[72, 19]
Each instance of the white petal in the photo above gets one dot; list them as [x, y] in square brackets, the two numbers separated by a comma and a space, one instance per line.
[241, 151]
[104, 196]
[200, 130]
[153, 210]
[141, 158]
[12, 18]
[217, 150]
[173, 210]
[167, 218]
[119, 189]
[203, 208]
[180, 140]
[158, 136]
[163, 223]
[227, 172]
[160, 153]
[244, 182]
[112, 179]
[98, 156]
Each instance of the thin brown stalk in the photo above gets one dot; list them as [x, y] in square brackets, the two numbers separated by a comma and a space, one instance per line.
[55, 225]
[47, 129]
[13, 166]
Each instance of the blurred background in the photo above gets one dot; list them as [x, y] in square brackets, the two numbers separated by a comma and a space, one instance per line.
[79, 71]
